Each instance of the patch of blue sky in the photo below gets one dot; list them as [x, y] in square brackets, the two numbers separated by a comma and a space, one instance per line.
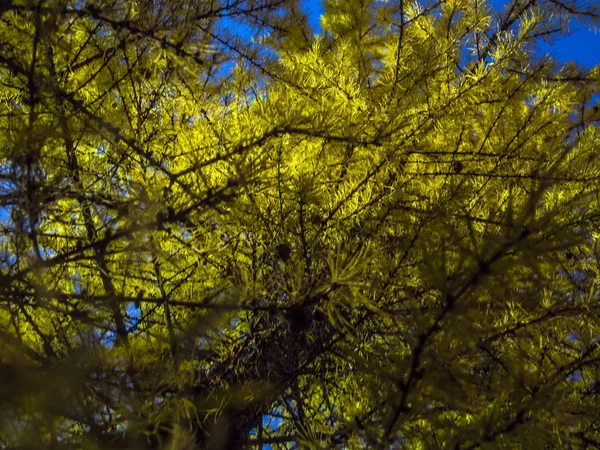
[272, 422]
[5, 213]
[107, 338]
[133, 316]
[78, 286]
[185, 233]
[47, 253]
[574, 377]
[7, 260]
[101, 150]
[573, 337]
[581, 44]
[315, 10]
[269, 423]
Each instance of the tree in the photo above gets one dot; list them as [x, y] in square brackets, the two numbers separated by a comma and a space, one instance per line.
[221, 230]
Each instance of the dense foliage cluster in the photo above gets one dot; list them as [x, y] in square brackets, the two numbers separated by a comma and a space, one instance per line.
[221, 229]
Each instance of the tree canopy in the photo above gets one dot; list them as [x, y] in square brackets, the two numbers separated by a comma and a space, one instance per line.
[221, 229]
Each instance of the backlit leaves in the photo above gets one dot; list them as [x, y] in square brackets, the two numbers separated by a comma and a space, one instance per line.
[220, 229]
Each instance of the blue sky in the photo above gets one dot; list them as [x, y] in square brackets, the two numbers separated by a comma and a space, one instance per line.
[583, 46]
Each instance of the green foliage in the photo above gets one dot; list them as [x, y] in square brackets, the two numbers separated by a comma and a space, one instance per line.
[220, 229]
